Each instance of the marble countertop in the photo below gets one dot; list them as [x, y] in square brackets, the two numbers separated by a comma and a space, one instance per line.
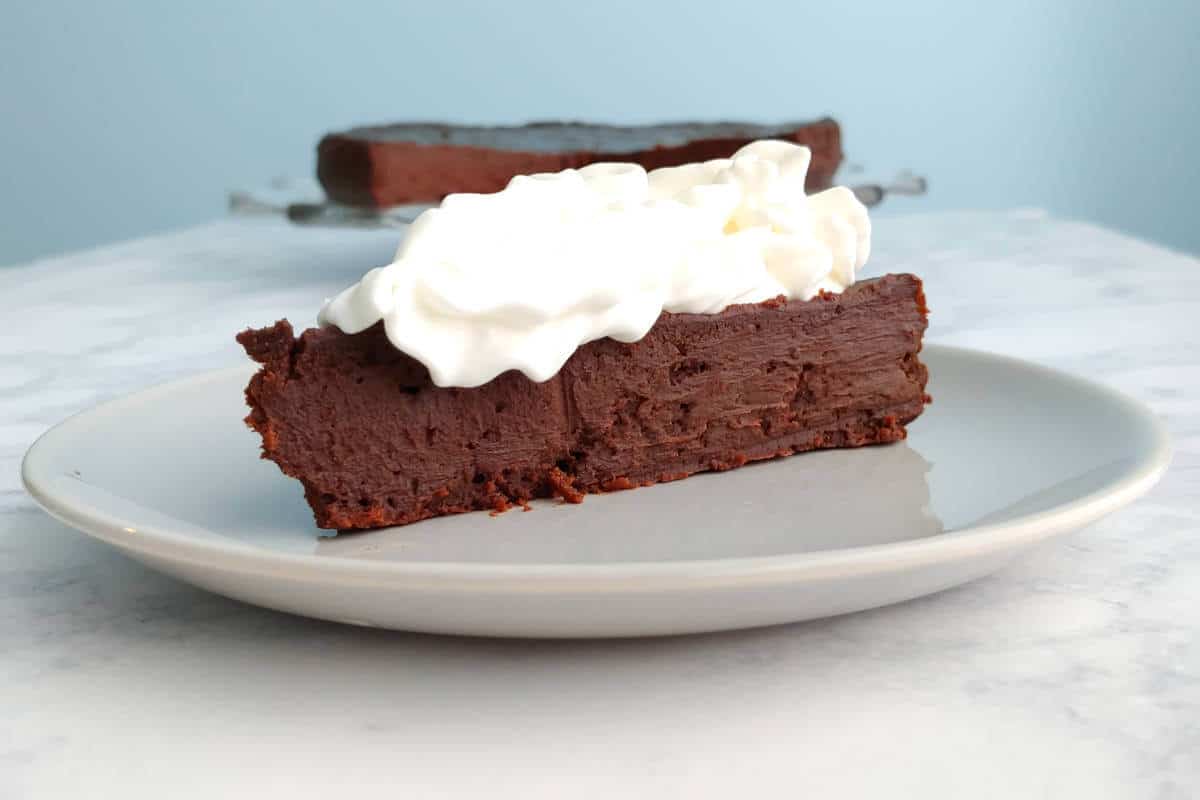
[1074, 673]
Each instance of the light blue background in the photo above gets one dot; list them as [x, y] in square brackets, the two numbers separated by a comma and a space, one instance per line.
[126, 118]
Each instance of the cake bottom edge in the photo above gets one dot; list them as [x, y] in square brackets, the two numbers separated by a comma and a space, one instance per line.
[515, 489]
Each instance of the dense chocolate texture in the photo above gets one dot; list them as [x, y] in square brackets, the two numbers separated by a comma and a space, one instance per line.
[423, 162]
[375, 443]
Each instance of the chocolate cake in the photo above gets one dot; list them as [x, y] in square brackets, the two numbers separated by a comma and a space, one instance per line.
[375, 443]
[423, 162]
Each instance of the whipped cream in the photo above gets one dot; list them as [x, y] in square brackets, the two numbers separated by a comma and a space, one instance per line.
[521, 278]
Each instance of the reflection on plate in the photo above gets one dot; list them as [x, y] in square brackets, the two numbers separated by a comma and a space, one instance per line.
[818, 503]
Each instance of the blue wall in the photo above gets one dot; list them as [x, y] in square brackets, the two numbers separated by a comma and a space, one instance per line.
[123, 118]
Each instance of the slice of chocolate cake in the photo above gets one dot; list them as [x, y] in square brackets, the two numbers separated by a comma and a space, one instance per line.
[376, 443]
[591, 330]
[423, 162]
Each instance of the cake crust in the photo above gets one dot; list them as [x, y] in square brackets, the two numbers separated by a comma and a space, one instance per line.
[375, 443]
[391, 165]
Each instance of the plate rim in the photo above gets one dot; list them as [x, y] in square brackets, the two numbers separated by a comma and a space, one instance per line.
[236, 557]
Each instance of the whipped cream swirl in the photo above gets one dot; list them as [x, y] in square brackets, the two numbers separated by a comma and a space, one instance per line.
[521, 278]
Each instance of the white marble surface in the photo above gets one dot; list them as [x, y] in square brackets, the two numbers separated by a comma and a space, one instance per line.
[1075, 673]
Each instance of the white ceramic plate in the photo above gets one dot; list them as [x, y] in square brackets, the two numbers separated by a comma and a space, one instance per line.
[1008, 455]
